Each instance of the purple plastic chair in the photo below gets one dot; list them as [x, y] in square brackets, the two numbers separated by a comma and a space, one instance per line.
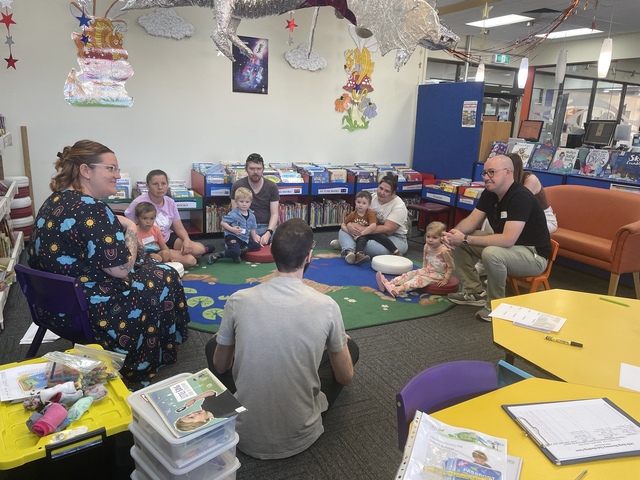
[442, 386]
[58, 294]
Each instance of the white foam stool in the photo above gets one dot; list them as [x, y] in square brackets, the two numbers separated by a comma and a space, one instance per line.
[391, 264]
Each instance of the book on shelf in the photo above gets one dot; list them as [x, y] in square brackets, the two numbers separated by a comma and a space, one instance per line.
[625, 165]
[541, 156]
[524, 150]
[497, 148]
[438, 451]
[564, 160]
[595, 163]
[188, 405]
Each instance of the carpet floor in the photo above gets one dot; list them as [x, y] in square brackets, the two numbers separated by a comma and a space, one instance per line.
[353, 287]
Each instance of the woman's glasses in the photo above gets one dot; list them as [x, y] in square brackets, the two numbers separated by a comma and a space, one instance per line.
[108, 166]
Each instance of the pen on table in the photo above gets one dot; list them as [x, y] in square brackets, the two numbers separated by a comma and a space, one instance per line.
[579, 477]
[613, 301]
[566, 342]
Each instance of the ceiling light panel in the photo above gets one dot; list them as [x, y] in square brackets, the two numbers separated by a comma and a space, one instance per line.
[499, 21]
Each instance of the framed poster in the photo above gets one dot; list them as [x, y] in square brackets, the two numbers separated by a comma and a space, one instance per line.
[250, 75]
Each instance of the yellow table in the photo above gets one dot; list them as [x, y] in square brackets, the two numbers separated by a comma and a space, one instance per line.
[485, 414]
[610, 334]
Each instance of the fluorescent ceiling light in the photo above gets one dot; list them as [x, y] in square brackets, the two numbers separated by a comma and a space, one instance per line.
[498, 21]
[571, 33]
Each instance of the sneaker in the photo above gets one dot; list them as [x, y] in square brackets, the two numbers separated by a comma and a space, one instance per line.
[213, 258]
[483, 314]
[237, 259]
[335, 244]
[477, 299]
[244, 250]
[350, 257]
[381, 281]
[361, 258]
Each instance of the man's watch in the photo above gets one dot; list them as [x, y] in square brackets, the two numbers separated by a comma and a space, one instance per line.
[269, 230]
[465, 240]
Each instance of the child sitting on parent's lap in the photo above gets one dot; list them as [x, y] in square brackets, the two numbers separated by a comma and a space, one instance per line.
[239, 229]
[437, 266]
[366, 217]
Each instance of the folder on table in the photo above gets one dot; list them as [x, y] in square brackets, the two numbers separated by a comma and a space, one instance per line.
[577, 431]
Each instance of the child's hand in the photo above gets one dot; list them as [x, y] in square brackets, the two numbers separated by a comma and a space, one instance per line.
[237, 230]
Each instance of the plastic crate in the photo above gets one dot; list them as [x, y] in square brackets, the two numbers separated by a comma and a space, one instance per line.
[104, 449]
[147, 422]
[149, 467]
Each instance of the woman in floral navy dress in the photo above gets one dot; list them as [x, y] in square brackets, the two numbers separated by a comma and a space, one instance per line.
[136, 306]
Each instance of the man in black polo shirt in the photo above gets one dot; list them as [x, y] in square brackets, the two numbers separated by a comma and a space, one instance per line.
[520, 244]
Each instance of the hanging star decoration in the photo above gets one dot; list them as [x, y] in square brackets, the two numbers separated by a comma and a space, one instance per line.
[7, 20]
[291, 24]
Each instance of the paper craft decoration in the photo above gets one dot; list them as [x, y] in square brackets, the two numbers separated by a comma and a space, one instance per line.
[564, 160]
[7, 20]
[104, 68]
[397, 24]
[357, 105]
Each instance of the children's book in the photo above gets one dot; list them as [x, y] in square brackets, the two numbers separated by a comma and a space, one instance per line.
[191, 404]
[625, 165]
[497, 148]
[524, 150]
[436, 450]
[541, 156]
[564, 160]
[24, 381]
[595, 163]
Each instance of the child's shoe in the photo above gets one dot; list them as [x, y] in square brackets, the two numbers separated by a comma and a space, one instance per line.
[361, 258]
[237, 259]
[350, 257]
[381, 281]
[214, 257]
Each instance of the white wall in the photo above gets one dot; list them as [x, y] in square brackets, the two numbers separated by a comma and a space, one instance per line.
[184, 110]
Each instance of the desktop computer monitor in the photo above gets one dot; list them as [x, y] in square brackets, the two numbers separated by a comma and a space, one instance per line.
[599, 133]
[530, 130]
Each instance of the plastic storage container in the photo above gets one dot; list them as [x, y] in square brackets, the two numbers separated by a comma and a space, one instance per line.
[218, 446]
[209, 471]
[147, 422]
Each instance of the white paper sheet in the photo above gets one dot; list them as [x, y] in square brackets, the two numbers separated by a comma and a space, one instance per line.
[31, 332]
[630, 376]
[525, 317]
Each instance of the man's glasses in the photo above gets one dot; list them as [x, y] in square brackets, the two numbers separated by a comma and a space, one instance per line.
[491, 172]
[111, 168]
[313, 245]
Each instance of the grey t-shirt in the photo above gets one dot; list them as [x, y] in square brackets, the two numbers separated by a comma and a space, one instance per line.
[280, 330]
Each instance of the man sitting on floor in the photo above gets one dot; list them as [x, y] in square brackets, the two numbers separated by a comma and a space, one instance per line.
[520, 244]
[282, 349]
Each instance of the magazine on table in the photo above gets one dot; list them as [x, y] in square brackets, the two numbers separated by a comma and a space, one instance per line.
[195, 403]
[437, 451]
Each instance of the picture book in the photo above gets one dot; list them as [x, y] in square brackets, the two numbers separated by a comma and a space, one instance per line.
[595, 163]
[24, 381]
[564, 160]
[524, 150]
[189, 405]
[541, 156]
[497, 148]
[625, 165]
[436, 450]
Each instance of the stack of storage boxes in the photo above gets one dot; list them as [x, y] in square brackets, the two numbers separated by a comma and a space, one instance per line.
[21, 209]
[208, 453]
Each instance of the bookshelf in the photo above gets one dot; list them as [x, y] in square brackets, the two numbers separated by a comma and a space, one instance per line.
[16, 250]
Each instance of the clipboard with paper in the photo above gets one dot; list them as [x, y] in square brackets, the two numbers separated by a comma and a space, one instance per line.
[578, 431]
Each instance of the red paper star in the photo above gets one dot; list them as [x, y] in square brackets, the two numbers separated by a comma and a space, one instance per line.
[7, 20]
[291, 24]
[11, 62]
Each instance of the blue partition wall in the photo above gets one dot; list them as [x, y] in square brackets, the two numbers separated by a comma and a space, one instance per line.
[442, 145]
